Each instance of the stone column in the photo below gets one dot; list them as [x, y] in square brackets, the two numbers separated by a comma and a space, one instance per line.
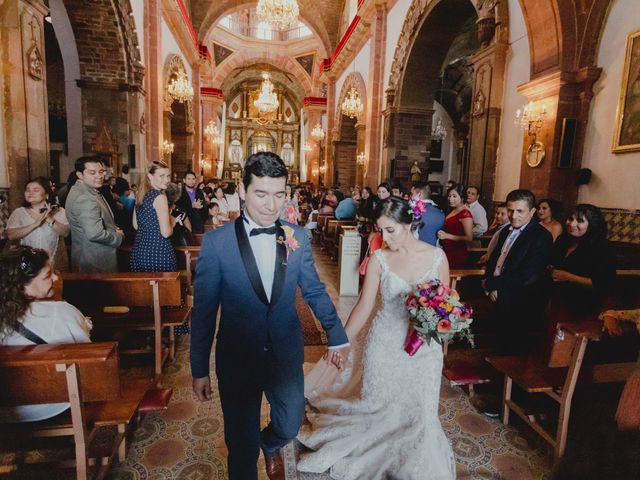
[154, 80]
[197, 118]
[330, 134]
[210, 107]
[25, 108]
[375, 97]
[486, 108]
[361, 137]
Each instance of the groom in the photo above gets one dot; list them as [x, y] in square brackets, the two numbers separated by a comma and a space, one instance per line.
[248, 269]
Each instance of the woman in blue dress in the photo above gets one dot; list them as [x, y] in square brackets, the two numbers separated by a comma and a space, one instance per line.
[152, 249]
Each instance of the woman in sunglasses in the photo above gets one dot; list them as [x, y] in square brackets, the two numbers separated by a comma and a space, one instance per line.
[28, 317]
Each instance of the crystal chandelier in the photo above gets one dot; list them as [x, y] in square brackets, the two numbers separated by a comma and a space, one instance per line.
[212, 133]
[180, 89]
[439, 132]
[317, 133]
[279, 14]
[167, 148]
[352, 105]
[306, 147]
[267, 101]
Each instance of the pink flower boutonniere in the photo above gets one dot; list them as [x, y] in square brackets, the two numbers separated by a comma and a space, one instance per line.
[289, 241]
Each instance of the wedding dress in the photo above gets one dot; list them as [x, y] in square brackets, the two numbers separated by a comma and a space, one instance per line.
[378, 418]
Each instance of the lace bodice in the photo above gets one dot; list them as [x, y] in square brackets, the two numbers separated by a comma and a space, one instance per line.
[378, 418]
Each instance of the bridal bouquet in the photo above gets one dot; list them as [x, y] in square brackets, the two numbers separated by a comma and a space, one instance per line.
[435, 312]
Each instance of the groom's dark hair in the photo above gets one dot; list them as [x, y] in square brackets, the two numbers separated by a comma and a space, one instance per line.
[263, 164]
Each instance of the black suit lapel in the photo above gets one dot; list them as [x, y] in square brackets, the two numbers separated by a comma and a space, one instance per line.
[280, 267]
[249, 261]
[493, 260]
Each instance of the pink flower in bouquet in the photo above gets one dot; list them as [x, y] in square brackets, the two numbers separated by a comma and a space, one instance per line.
[440, 291]
[444, 326]
[423, 301]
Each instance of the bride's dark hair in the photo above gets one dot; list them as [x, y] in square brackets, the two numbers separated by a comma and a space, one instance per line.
[398, 210]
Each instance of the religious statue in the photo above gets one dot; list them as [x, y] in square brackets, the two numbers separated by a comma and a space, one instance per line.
[416, 173]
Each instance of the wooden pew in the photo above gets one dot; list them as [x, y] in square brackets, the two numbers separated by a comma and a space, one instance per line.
[154, 299]
[557, 376]
[87, 376]
[331, 238]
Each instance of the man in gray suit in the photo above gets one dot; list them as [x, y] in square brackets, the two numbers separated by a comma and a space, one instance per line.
[94, 235]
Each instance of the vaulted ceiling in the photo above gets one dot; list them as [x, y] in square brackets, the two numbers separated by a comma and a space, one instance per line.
[322, 16]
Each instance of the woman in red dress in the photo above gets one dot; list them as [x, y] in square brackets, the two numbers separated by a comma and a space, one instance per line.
[457, 228]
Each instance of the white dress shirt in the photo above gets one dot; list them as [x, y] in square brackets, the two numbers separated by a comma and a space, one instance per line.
[264, 251]
[479, 214]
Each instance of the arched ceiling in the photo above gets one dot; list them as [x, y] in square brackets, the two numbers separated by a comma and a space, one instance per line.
[252, 73]
[322, 16]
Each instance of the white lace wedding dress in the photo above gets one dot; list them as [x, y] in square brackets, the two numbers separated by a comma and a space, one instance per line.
[378, 418]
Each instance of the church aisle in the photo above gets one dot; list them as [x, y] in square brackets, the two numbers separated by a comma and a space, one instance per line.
[187, 441]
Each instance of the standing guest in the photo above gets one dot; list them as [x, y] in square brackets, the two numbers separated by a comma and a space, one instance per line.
[346, 209]
[152, 249]
[458, 227]
[450, 183]
[27, 318]
[221, 199]
[252, 278]
[233, 200]
[192, 202]
[39, 224]
[365, 207]
[182, 227]
[515, 273]
[94, 234]
[64, 190]
[290, 212]
[396, 191]
[432, 218]
[548, 211]
[582, 267]
[479, 213]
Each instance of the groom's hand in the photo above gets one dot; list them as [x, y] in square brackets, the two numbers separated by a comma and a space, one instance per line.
[338, 356]
[202, 388]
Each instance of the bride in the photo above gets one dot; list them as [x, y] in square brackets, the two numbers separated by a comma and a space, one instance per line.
[377, 417]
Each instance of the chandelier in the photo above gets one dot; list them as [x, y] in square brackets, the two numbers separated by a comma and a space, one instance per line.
[212, 133]
[530, 120]
[267, 101]
[179, 88]
[317, 133]
[352, 105]
[167, 148]
[279, 14]
[439, 133]
[306, 147]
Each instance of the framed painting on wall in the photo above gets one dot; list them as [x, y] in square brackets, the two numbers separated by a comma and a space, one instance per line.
[627, 132]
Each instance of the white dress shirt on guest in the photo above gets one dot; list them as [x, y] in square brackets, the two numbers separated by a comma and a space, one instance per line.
[480, 224]
[54, 322]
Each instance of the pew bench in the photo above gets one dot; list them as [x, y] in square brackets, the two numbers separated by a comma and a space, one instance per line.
[87, 376]
[154, 301]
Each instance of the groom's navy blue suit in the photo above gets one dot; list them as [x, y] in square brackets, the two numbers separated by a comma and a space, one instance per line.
[259, 342]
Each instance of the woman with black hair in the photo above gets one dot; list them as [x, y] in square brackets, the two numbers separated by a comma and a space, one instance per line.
[548, 211]
[27, 317]
[458, 228]
[581, 268]
[378, 416]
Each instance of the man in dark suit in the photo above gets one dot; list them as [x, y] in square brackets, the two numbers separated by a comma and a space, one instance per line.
[514, 274]
[432, 218]
[193, 203]
[247, 269]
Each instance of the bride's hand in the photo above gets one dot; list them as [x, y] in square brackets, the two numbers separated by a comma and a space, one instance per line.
[338, 356]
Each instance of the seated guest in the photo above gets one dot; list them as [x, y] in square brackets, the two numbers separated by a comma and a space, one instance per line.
[383, 192]
[457, 229]
[500, 220]
[364, 213]
[290, 212]
[581, 267]
[215, 217]
[346, 209]
[192, 202]
[548, 211]
[233, 200]
[39, 224]
[221, 199]
[477, 210]
[329, 203]
[432, 218]
[27, 317]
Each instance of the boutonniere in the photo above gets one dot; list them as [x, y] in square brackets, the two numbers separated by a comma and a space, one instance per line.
[289, 241]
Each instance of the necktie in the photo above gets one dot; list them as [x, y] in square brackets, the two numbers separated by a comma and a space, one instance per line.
[267, 231]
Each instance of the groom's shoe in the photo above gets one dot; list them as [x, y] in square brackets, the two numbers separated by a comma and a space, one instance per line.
[275, 467]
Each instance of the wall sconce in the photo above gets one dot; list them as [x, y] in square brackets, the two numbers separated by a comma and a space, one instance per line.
[306, 147]
[531, 121]
[323, 169]
[317, 133]
[212, 133]
[314, 172]
[204, 161]
[167, 148]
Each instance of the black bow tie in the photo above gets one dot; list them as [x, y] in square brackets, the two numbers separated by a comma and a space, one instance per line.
[267, 231]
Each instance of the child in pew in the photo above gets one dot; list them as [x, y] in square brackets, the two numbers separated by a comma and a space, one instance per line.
[27, 317]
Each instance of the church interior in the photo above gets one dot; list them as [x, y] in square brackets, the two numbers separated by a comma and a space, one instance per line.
[498, 95]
